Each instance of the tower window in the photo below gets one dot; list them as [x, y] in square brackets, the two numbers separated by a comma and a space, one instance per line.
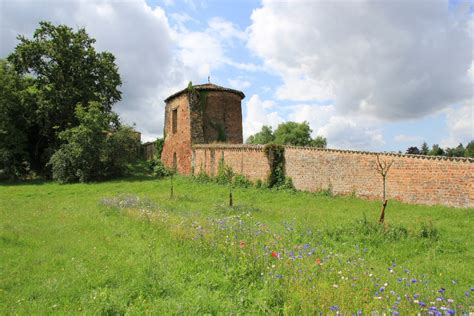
[174, 118]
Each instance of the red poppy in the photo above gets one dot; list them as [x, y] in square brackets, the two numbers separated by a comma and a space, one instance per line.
[275, 254]
[242, 244]
[318, 261]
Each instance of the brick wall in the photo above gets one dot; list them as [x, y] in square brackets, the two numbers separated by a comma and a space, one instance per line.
[177, 144]
[411, 179]
[222, 110]
[244, 159]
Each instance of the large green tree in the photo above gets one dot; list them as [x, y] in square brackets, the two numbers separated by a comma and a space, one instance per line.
[297, 134]
[99, 147]
[469, 152]
[265, 136]
[67, 72]
[289, 133]
[14, 118]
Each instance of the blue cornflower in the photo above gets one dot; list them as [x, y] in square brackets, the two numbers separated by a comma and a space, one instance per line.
[306, 246]
[382, 289]
[451, 312]
[334, 308]
[413, 280]
[467, 293]
[395, 313]
[472, 288]
[416, 296]
[422, 304]
[433, 308]
[441, 290]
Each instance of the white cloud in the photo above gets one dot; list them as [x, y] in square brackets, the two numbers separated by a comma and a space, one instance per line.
[355, 132]
[239, 83]
[226, 30]
[389, 59]
[460, 124]
[258, 113]
[402, 138]
[154, 58]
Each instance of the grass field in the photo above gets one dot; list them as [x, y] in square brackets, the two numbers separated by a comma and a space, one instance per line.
[125, 247]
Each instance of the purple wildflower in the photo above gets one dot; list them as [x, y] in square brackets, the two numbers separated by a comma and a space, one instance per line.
[413, 280]
[334, 308]
[467, 293]
[451, 312]
[441, 290]
[422, 304]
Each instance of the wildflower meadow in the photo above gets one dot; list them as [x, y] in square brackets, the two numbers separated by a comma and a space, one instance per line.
[126, 247]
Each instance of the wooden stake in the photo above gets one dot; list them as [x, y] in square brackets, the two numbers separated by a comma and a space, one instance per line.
[382, 214]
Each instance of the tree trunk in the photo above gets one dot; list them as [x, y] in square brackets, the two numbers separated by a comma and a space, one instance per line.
[171, 191]
[382, 214]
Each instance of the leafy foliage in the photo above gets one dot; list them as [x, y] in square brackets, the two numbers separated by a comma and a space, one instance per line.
[289, 133]
[99, 147]
[276, 159]
[66, 71]
[456, 151]
[413, 150]
[292, 133]
[265, 136]
[436, 150]
[14, 157]
[469, 152]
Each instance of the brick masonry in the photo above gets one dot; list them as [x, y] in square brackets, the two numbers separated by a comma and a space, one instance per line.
[206, 113]
[412, 178]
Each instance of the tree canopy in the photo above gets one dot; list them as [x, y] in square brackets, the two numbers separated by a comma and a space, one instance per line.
[289, 133]
[64, 71]
[265, 136]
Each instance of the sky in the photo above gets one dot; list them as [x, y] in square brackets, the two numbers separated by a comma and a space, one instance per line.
[367, 75]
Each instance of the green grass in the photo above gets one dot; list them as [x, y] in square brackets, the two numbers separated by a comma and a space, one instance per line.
[64, 249]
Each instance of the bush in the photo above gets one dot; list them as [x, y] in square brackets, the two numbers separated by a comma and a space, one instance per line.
[242, 181]
[225, 173]
[99, 147]
[159, 169]
[203, 177]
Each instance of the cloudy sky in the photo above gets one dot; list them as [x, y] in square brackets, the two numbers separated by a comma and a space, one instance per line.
[373, 75]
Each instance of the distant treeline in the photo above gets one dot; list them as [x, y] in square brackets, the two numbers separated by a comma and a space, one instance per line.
[436, 150]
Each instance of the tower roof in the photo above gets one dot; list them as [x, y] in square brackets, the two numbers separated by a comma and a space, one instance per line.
[207, 87]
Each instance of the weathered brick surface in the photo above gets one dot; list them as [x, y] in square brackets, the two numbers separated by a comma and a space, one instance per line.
[244, 159]
[411, 179]
[200, 121]
[223, 109]
[178, 143]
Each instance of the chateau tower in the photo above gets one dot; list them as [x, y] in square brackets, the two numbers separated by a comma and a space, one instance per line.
[200, 114]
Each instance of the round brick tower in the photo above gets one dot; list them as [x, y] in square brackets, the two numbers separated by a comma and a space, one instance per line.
[200, 114]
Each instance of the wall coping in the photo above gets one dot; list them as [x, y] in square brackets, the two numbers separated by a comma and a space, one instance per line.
[347, 151]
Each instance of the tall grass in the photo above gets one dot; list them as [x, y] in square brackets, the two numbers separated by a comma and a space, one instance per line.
[126, 247]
